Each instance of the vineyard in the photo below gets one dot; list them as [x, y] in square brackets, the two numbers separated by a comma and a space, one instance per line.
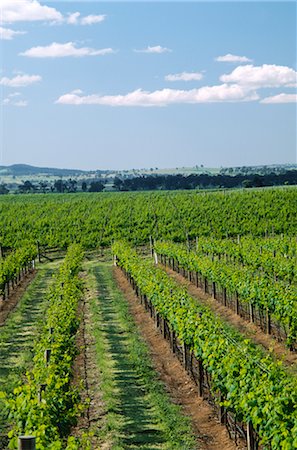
[238, 247]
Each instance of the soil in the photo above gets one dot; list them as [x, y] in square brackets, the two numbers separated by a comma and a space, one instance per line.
[6, 306]
[250, 330]
[87, 372]
[211, 435]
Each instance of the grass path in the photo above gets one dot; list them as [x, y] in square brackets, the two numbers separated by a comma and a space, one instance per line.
[138, 412]
[17, 334]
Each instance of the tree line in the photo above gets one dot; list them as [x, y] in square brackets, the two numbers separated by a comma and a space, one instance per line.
[204, 181]
[159, 182]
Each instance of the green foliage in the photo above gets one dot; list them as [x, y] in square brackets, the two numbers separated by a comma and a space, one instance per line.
[11, 266]
[46, 405]
[252, 285]
[253, 386]
[99, 218]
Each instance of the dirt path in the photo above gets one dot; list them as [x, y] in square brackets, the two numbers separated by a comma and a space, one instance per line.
[210, 433]
[6, 306]
[250, 330]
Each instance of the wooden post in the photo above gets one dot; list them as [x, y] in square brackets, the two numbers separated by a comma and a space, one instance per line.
[237, 304]
[222, 410]
[47, 355]
[158, 320]
[38, 251]
[41, 390]
[151, 246]
[214, 291]
[200, 378]
[205, 285]
[268, 322]
[225, 296]
[252, 319]
[251, 443]
[164, 328]
[173, 341]
[26, 443]
[188, 242]
[185, 359]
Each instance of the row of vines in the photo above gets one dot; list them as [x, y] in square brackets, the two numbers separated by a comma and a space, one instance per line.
[254, 387]
[277, 298]
[14, 266]
[97, 219]
[46, 404]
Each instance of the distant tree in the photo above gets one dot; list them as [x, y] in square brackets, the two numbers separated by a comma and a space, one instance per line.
[117, 183]
[247, 183]
[43, 186]
[84, 186]
[96, 186]
[59, 186]
[26, 187]
[3, 189]
[71, 185]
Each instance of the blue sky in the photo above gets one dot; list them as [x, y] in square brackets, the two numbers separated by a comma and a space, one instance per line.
[129, 85]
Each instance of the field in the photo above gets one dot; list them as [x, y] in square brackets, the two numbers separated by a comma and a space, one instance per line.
[159, 320]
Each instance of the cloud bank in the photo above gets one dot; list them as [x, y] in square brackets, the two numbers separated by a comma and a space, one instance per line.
[164, 97]
[241, 85]
[20, 80]
[267, 75]
[8, 34]
[56, 50]
[27, 11]
[280, 98]
[15, 11]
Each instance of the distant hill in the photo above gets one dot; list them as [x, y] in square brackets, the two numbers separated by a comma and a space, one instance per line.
[23, 170]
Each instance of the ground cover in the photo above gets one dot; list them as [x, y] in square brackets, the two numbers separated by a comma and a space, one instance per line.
[134, 410]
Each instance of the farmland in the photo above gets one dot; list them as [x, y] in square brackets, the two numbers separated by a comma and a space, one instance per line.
[237, 248]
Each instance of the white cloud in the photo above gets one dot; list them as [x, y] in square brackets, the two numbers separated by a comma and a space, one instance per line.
[91, 19]
[281, 98]
[27, 11]
[77, 92]
[155, 49]
[8, 34]
[14, 94]
[21, 103]
[73, 19]
[232, 58]
[261, 76]
[20, 80]
[56, 50]
[76, 19]
[164, 97]
[184, 76]
[31, 10]
[18, 103]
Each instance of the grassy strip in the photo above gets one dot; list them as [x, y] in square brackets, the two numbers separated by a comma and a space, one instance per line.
[171, 430]
[17, 335]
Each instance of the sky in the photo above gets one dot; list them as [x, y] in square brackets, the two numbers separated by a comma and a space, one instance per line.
[118, 85]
